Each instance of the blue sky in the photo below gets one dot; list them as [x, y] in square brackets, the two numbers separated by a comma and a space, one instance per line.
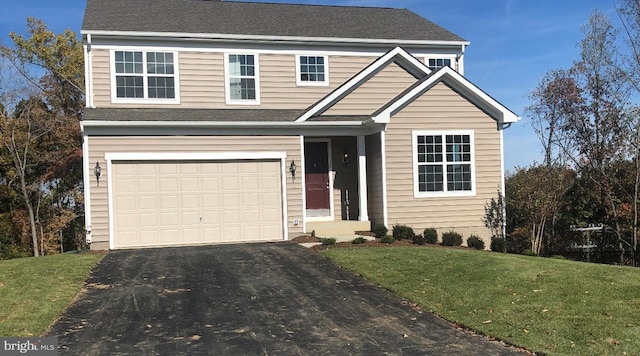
[513, 43]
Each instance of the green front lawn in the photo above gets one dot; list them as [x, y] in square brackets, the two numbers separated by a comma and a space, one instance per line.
[545, 305]
[35, 291]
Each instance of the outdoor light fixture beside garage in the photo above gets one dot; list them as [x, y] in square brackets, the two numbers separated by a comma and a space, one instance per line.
[97, 171]
[292, 169]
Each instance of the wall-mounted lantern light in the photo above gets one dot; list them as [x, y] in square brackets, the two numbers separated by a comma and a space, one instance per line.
[292, 169]
[97, 171]
[345, 156]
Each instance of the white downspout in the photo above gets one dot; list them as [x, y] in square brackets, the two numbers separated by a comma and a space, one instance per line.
[86, 181]
[460, 60]
[503, 182]
[88, 73]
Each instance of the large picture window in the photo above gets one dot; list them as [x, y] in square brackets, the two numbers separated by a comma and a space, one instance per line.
[443, 163]
[144, 75]
[242, 79]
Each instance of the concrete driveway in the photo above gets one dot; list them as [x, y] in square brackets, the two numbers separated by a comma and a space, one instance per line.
[250, 299]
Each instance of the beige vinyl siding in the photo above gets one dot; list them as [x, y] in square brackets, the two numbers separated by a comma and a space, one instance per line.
[202, 85]
[101, 77]
[201, 79]
[99, 145]
[376, 92]
[441, 109]
[374, 179]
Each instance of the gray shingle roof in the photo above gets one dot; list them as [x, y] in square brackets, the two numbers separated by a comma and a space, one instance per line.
[264, 19]
[208, 115]
[227, 115]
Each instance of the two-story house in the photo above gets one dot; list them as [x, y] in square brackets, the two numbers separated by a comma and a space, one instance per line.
[218, 121]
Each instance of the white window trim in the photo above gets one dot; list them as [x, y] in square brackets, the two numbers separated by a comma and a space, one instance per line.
[452, 57]
[301, 83]
[414, 143]
[145, 100]
[227, 83]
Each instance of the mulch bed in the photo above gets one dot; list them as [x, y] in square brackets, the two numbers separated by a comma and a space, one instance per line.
[304, 238]
[367, 243]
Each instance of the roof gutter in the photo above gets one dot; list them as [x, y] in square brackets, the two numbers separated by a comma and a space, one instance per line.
[263, 38]
[217, 124]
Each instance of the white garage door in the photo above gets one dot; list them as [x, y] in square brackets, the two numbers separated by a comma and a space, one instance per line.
[181, 203]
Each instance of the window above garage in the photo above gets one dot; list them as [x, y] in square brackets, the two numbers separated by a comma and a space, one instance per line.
[242, 79]
[144, 77]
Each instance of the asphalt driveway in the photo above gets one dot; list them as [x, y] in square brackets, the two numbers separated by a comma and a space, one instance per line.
[249, 299]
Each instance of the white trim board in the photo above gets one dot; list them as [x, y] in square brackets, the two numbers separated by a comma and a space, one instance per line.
[383, 154]
[263, 38]
[303, 181]
[311, 131]
[192, 156]
[181, 46]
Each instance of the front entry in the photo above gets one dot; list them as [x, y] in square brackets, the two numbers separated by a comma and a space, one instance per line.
[317, 188]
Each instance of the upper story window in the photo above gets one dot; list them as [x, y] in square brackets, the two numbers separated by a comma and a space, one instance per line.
[144, 76]
[312, 70]
[437, 63]
[242, 79]
[443, 163]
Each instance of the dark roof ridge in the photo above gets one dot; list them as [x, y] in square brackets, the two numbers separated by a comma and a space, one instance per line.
[318, 5]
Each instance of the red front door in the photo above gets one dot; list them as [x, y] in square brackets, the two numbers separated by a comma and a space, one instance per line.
[316, 163]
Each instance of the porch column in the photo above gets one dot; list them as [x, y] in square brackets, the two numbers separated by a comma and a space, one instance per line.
[362, 179]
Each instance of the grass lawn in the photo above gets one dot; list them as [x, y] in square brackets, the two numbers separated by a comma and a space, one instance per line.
[35, 291]
[546, 305]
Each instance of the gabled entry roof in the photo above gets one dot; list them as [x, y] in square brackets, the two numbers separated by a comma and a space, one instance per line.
[425, 80]
[457, 82]
[397, 55]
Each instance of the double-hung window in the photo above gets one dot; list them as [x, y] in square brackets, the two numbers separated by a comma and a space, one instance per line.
[443, 163]
[144, 76]
[312, 70]
[242, 79]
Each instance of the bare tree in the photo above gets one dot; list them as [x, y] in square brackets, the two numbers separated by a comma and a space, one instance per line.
[552, 100]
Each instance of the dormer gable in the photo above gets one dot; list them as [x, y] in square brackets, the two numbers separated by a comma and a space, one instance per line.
[397, 55]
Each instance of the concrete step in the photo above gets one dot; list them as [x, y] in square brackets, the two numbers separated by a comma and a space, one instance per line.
[337, 228]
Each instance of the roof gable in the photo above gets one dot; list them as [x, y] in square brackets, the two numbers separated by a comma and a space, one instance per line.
[457, 82]
[397, 55]
[260, 19]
